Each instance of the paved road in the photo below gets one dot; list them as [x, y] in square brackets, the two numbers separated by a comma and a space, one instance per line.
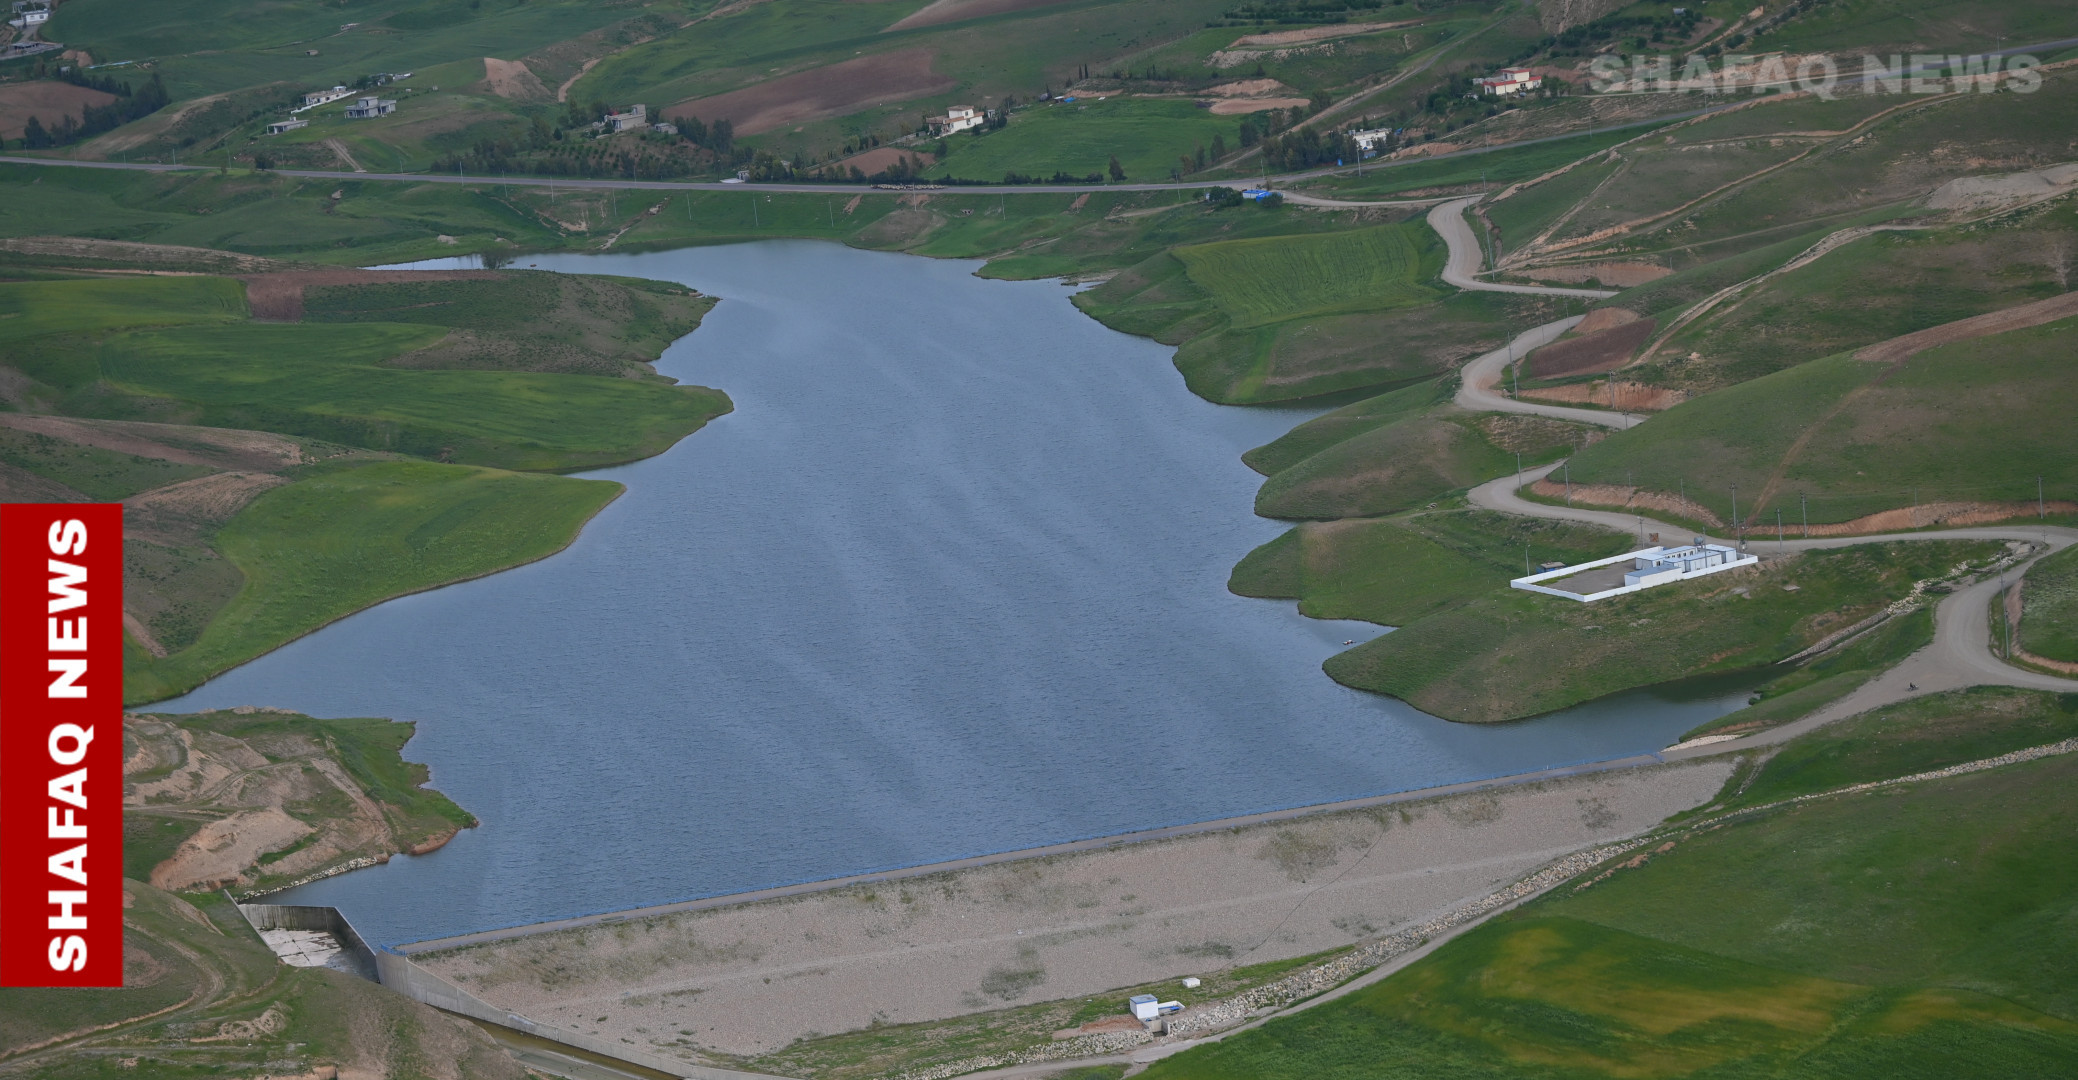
[1960, 655]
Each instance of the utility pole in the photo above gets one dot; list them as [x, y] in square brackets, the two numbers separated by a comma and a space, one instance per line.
[2041, 505]
[1804, 504]
[1518, 471]
[1526, 560]
[1735, 518]
[1569, 481]
[754, 211]
[1778, 528]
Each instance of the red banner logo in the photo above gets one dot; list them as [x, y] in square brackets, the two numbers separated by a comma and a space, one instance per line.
[61, 745]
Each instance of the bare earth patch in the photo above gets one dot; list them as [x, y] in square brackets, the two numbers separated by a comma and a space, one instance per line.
[1602, 350]
[209, 498]
[48, 102]
[1250, 88]
[1238, 106]
[1312, 34]
[1616, 275]
[881, 158]
[945, 11]
[753, 977]
[830, 90]
[513, 79]
[1628, 396]
[278, 297]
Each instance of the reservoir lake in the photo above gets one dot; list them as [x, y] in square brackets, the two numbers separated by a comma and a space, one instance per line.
[951, 580]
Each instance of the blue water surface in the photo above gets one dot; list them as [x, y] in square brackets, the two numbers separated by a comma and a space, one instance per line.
[950, 580]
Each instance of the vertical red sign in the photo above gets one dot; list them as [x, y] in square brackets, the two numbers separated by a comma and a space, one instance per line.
[61, 745]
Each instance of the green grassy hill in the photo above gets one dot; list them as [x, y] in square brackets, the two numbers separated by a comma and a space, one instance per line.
[1976, 421]
[1395, 452]
[1916, 931]
[2049, 608]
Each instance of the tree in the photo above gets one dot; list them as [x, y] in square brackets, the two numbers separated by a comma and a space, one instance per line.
[1118, 172]
[1219, 147]
[34, 137]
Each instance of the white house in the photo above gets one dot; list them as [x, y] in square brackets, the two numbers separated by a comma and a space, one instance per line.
[322, 97]
[1648, 567]
[1509, 81]
[368, 108]
[956, 119]
[283, 126]
[632, 118]
[1367, 141]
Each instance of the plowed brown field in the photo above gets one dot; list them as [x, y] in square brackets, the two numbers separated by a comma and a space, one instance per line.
[831, 90]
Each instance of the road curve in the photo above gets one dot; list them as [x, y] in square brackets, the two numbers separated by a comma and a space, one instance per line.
[1448, 219]
[1478, 378]
[1960, 655]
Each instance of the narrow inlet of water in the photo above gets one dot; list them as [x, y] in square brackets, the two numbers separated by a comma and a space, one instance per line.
[949, 581]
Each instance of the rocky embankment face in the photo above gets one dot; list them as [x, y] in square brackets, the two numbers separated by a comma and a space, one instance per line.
[260, 799]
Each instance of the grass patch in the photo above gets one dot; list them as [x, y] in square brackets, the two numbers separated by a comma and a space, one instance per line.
[31, 309]
[352, 535]
[2049, 607]
[1920, 735]
[1509, 654]
[1396, 571]
[100, 475]
[1255, 282]
[332, 383]
[1858, 438]
[1397, 451]
[1081, 137]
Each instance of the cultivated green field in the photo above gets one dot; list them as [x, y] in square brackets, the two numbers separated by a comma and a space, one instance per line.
[1859, 438]
[1081, 137]
[1270, 280]
[35, 308]
[1917, 931]
[2049, 607]
[1507, 654]
[349, 536]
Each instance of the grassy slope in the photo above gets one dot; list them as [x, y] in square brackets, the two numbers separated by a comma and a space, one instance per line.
[1509, 654]
[2049, 607]
[1395, 452]
[1280, 319]
[1399, 570]
[350, 536]
[1949, 423]
[1917, 931]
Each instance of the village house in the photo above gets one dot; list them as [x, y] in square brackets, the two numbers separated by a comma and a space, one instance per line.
[956, 119]
[1635, 570]
[280, 127]
[29, 13]
[1509, 81]
[368, 108]
[323, 97]
[1374, 139]
[633, 118]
